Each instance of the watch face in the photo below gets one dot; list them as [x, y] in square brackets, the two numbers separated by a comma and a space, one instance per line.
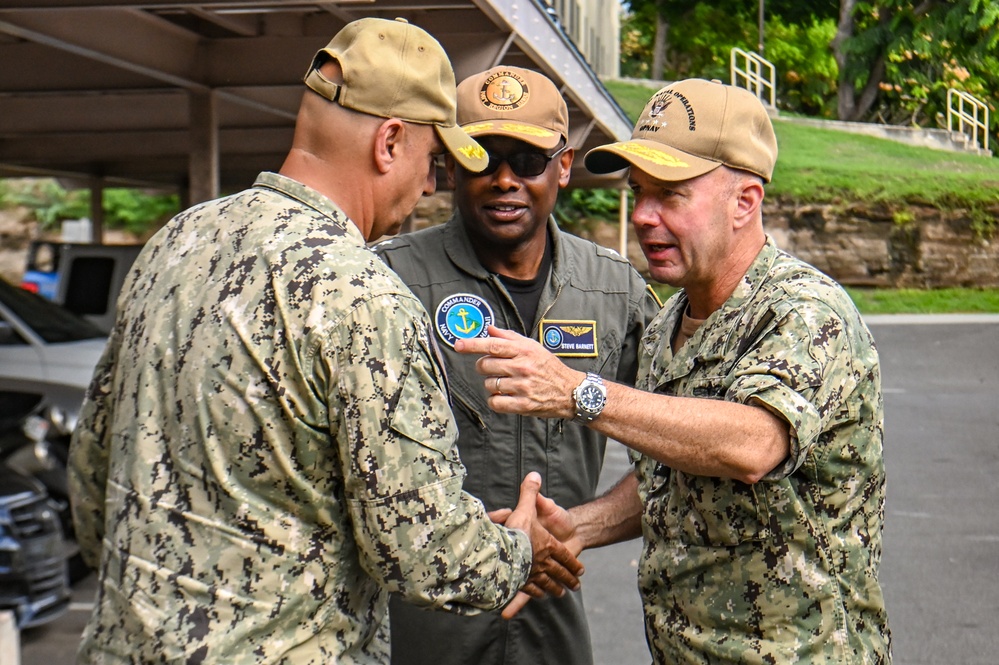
[591, 398]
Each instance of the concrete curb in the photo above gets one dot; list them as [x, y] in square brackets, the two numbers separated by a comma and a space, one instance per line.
[923, 319]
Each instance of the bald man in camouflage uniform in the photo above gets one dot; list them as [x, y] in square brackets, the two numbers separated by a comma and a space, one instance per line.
[267, 448]
[757, 424]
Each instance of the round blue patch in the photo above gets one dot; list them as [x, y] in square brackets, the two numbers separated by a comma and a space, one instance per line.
[553, 338]
[462, 316]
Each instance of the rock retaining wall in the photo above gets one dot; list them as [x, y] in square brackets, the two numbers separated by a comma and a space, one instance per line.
[858, 245]
[870, 246]
[861, 245]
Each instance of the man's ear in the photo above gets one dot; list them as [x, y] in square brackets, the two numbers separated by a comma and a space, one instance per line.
[749, 198]
[565, 166]
[450, 166]
[388, 143]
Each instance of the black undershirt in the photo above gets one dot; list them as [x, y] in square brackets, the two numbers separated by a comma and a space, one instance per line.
[526, 293]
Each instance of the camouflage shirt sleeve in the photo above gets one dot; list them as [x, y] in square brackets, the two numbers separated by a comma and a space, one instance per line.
[417, 532]
[804, 369]
[88, 459]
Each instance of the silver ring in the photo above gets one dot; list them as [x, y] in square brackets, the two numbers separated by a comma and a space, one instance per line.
[498, 391]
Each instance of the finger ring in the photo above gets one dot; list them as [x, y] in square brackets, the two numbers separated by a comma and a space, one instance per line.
[498, 391]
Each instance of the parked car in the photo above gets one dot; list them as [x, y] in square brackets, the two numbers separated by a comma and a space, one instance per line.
[84, 278]
[47, 358]
[34, 579]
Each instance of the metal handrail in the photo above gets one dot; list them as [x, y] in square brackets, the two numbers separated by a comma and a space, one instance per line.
[967, 118]
[751, 76]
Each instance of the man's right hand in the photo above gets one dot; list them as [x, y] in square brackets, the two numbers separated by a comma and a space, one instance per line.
[554, 568]
[614, 517]
[561, 525]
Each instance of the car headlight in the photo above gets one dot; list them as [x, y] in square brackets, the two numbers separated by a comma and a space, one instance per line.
[61, 420]
[36, 428]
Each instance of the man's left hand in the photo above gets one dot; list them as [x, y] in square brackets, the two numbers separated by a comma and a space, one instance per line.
[521, 376]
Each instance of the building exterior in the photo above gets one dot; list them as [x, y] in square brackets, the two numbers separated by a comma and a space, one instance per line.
[595, 28]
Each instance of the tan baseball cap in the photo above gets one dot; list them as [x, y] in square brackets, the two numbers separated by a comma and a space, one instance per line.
[515, 102]
[691, 127]
[392, 69]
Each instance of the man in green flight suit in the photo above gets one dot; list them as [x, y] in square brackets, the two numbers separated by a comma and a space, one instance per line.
[501, 259]
[756, 424]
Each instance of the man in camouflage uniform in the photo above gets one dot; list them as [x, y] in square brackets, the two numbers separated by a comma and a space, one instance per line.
[501, 257]
[267, 448]
[757, 432]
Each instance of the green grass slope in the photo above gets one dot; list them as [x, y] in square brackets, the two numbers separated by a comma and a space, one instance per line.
[825, 165]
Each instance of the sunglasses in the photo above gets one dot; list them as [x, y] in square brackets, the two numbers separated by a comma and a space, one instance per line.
[523, 164]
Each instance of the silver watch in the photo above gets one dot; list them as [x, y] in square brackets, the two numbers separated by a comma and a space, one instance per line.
[591, 397]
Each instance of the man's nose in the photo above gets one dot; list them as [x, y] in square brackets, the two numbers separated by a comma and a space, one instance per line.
[504, 178]
[644, 214]
[430, 186]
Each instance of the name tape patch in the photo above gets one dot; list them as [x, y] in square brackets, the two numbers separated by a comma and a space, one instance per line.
[572, 339]
[462, 316]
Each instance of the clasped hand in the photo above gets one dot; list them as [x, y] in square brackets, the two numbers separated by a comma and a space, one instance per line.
[555, 567]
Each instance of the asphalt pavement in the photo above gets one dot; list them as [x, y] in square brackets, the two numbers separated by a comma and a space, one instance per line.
[940, 567]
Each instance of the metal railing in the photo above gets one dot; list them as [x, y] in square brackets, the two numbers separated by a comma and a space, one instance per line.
[753, 72]
[964, 109]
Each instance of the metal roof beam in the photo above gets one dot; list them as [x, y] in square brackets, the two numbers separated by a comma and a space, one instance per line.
[140, 43]
[543, 40]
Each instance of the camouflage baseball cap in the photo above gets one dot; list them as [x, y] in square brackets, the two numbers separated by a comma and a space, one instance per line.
[515, 102]
[691, 127]
[392, 69]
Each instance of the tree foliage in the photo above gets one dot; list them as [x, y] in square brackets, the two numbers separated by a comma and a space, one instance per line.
[897, 57]
[888, 61]
[130, 209]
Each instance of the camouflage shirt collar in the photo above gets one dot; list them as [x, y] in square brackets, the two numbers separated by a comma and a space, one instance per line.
[750, 283]
[310, 197]
[723, 323]
[754, 278]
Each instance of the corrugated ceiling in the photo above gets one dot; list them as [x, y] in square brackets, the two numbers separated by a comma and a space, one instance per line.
[107, 89]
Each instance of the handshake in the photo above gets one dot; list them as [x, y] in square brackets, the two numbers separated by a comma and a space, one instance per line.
[554, 544]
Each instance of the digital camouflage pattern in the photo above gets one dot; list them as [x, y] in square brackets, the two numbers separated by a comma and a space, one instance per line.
[267, 449]
[786, 570]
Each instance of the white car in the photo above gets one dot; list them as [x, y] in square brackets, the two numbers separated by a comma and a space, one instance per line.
[47, 358]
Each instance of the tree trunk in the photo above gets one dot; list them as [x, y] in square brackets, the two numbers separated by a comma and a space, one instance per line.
[659, 48]
[845, 102]
[871, 89]
[849, 106]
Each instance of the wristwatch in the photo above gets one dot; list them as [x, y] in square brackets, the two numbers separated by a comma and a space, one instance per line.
[591, 397]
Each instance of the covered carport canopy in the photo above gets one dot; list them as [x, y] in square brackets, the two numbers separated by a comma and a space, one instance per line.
[201, 96]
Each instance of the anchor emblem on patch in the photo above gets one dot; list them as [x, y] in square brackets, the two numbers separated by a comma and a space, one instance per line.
[462, 316]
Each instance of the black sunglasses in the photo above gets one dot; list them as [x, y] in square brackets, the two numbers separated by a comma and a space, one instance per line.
[523, 164]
